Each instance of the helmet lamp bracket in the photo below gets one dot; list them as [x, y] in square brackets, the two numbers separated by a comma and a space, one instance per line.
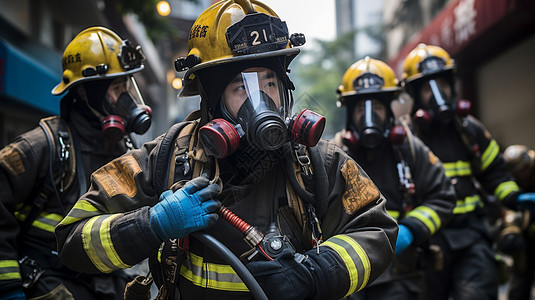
[431, 64]
[97, 70]
[130, 57]
[368, 81]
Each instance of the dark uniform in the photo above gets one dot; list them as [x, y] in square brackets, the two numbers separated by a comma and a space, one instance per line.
[419, 195]
[44, 171]
[23, 163]
[112, 219]
[424, 213]
[517, 237]
[465, 241]
[471, 158]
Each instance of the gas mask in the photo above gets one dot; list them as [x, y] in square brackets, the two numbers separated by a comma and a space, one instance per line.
[124, 110]
[255, 106]
[371, 124]
[439, 107]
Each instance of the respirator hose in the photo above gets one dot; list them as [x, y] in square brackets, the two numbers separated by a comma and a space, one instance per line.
[235, 263]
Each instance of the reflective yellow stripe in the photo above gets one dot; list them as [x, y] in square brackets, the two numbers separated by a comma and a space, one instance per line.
[489, 154]
[210, 275]
[504, 189]
[107, 243]
[98, 246]
[81, 209]
[394, 214]
[458, 168]
[427, 216]
[470, 203]
[345, 246]
[47, 221]
[9, 270]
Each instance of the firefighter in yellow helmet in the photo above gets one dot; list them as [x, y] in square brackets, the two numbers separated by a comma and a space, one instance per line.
[469, 154]
[419, 195]
[293, 210]
[518, 234]
[44, 171]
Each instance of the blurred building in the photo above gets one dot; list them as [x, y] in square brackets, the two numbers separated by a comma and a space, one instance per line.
[493, 44]
[34, 33]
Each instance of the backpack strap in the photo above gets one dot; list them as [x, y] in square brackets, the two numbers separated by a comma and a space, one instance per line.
[59, 144]
[468, 136]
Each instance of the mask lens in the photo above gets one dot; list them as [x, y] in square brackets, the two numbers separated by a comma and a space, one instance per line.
[370, 118]
[256, 99]
[252, 85]
[441, 105]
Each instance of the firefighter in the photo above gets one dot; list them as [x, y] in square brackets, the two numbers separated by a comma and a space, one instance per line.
[44, 171]
[419, 195]
[517, 237]
[315, 225]
[472, 159]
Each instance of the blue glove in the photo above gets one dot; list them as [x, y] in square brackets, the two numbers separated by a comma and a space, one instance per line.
[189, 209]
[14, 295]
[404, 240]
[526, 201]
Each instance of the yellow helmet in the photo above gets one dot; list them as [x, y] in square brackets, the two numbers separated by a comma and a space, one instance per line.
[426, 60]
[234, 33]
[97, 53]
[367, 76]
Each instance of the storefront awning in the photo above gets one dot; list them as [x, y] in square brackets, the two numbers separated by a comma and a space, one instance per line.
[24, 79]
[459, 24]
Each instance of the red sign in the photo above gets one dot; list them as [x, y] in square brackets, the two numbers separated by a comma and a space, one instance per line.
[457, 25]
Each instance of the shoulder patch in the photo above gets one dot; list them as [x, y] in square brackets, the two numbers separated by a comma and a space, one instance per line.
[11, 160]
[117, 177]
[433, 159]
[360, 190]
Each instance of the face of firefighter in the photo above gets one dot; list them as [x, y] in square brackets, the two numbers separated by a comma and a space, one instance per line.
[124, 107]
[369, 118]
[427, 93]
[436, 97]
[253, 85]
[377, 108]
[254, 99]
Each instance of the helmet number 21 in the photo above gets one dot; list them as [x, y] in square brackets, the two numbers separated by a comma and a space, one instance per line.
[256, 35]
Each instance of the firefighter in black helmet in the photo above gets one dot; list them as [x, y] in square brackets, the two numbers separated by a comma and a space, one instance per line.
[315, 225]
[469, 154]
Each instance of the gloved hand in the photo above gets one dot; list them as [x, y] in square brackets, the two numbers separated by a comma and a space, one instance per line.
[318, 276]
[526, 201]
[14, 295]
[404, 240]
[189, 209]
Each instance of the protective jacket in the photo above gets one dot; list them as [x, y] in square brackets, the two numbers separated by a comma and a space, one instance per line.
[30, 208]
[108, 229]
[469, 152]
[420, 197]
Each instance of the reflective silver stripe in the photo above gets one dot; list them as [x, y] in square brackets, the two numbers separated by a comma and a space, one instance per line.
[210, 275]
[9, 270]
[355, 259]
[81, 210]
[47, 221]
[98, 245]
